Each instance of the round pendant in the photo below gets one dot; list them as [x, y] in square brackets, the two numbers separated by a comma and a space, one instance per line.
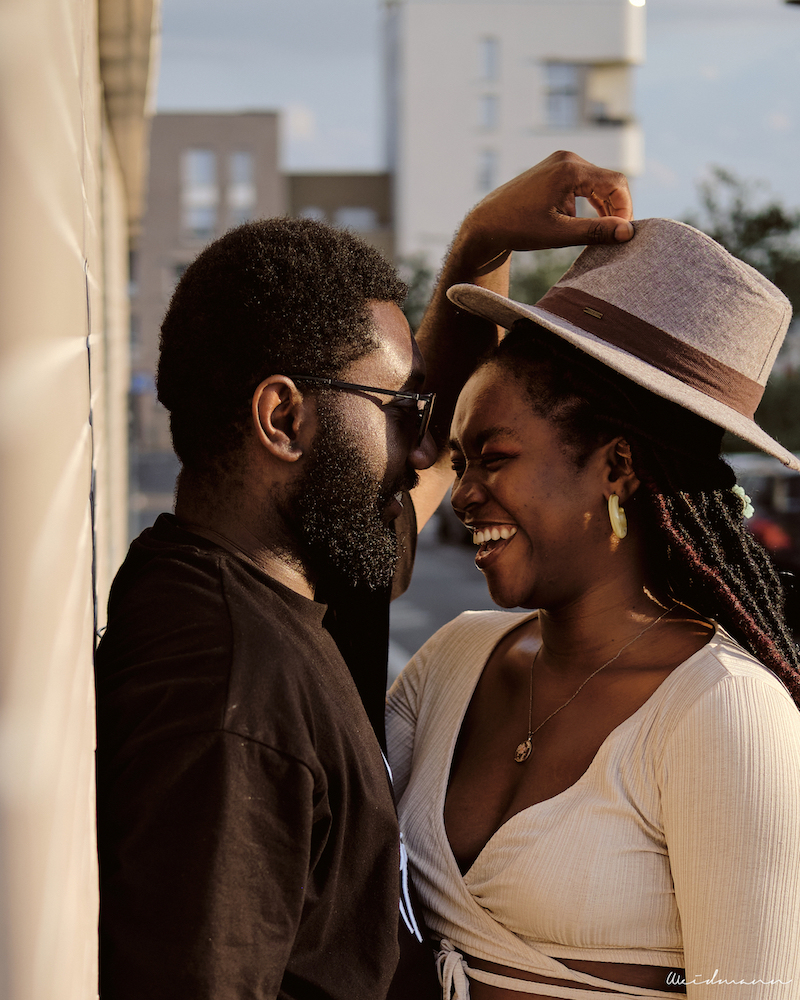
[523, 751]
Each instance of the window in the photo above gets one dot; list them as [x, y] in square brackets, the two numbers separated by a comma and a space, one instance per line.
[608, 94]
[487, 170]
[592, 94]
[487, 111]
[564, 94]
[359, 219]
[314, 212]
[241, 193]
[199, 193]
[489, 58]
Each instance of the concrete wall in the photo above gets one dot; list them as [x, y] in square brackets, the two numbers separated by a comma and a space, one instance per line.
[66, 211]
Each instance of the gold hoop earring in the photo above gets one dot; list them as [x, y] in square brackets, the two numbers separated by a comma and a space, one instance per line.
[616, 515]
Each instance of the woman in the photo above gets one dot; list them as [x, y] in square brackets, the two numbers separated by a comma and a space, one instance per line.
[602, 798]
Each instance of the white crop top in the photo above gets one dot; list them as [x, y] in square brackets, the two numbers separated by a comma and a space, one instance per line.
[679, 846]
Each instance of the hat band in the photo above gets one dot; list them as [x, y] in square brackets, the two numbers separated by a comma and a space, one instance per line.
[655, 346]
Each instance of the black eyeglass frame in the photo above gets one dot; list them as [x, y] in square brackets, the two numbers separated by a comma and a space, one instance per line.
[426, 398]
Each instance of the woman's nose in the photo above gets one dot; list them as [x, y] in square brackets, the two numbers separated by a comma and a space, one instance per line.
[465, 493]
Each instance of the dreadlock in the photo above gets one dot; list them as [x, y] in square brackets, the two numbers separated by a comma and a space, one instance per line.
[691, 518]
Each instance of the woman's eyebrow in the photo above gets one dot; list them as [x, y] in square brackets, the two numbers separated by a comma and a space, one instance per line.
[486, 435]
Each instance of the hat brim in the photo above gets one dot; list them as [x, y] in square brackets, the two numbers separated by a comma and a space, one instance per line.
[505, 312]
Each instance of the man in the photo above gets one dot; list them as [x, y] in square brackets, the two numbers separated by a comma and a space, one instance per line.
[247, 836]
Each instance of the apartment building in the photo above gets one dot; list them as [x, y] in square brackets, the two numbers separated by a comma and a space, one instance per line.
[476, 92]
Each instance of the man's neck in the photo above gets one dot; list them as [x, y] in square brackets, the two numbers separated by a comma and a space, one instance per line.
[232, 531]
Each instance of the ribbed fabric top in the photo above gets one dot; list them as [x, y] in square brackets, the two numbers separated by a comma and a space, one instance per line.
[679, 846]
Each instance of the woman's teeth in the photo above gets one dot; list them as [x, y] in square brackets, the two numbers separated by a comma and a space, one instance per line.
[493, 534]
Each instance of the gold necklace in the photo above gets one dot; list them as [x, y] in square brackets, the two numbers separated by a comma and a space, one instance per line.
[525, 748]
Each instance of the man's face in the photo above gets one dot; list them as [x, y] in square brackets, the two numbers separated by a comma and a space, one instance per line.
[365, 453]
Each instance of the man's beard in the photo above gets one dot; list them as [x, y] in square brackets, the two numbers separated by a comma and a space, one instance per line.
[337, 510]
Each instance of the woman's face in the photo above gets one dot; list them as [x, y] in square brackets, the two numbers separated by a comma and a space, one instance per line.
[540, 523]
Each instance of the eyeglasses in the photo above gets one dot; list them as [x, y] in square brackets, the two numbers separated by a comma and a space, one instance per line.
[424, 400]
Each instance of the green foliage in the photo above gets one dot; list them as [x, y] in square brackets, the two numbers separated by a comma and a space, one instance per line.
[778, 414]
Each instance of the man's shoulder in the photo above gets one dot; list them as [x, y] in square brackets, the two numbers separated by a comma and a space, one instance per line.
[199, 640]
[176, 585]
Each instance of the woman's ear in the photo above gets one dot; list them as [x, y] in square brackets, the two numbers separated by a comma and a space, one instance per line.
[280, 417]
[622, 478]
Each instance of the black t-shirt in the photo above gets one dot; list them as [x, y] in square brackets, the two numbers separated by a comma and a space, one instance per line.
[246, 831]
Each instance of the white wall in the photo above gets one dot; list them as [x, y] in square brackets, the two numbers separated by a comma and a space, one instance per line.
[433, 121]
[63, 436]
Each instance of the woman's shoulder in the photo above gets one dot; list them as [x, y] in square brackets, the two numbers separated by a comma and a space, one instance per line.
[474, 627]
[462, 643]
[722, 686]
[722, 659]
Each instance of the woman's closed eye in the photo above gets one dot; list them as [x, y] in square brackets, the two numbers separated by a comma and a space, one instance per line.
[458, 468]
[492, 462]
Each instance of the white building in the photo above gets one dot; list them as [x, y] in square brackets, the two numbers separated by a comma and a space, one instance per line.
[479, 90]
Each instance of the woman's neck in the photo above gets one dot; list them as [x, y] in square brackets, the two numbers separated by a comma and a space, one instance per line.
[595, 629]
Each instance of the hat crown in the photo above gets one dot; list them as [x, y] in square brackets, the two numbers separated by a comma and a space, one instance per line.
[678, 280]
[671, 310]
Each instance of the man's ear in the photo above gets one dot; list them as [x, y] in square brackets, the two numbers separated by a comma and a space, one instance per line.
[621, 475]
[281, 418]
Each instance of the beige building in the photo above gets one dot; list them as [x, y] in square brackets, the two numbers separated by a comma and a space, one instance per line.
[208, 172]
[75, 79]
[358, 201]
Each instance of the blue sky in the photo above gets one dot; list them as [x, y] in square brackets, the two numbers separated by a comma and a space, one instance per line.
[720, 85]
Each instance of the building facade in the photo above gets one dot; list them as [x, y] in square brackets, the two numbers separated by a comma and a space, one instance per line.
[479, 90]
[361, 202]
[207, 173]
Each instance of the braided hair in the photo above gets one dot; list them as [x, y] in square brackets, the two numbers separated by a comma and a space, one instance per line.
[691, 519]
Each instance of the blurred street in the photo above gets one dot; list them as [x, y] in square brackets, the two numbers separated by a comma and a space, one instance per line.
[445, 583]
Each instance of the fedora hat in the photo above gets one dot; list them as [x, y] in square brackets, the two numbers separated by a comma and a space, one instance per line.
[673, 311]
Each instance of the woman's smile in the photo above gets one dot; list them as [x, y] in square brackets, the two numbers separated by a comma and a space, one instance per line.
[492, 541]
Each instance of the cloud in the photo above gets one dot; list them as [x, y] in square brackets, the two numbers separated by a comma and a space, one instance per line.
[777, 121]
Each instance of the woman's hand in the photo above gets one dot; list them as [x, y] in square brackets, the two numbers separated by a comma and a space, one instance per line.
[536, 211]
